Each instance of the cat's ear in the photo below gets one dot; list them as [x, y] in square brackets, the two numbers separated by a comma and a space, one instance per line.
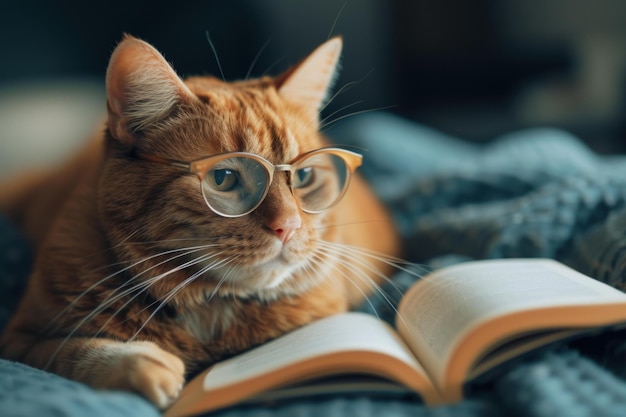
[308, 83]
[142, 89]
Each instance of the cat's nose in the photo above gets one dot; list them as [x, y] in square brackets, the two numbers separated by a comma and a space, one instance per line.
[285, 227]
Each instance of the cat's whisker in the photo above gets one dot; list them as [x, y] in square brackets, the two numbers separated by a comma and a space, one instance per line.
[162, 303]
[347, 106]
[186, 251]
[307, 268]
[126, 241]
[112, 299]
[345, 88]
[221, 282]
[172, 293]
[324, 126]
[151, 281]
[144, 285]
[134, 263]
[112, 248]
[352, 254]
[272, 65]
[173, 240]
[343, 224]
[256, 58]
[357, 259]
[365, 278]
[225, 277]
[138, 289]
[102, 307]
[395, 262]
[332, 28]
[121, 243]
[217, 58]
[362, 269]
[87, 318]
[320, 260]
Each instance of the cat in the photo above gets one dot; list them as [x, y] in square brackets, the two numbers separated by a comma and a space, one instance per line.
[203, 219]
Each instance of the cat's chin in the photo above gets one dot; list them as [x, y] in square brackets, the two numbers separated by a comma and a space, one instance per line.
[269, 276]
[269, 280]
[281, 269]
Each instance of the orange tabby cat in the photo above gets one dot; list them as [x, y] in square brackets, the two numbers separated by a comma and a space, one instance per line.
[198, 225]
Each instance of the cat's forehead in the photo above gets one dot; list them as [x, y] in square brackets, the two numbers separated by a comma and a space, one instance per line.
[276, 146]
[251, 119]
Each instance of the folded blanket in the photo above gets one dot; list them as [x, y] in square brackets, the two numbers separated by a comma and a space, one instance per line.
[533, 193]
[26, 392]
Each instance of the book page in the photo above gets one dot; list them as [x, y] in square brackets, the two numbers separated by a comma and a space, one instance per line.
[344, 332]
[442, 308]
[349, 344]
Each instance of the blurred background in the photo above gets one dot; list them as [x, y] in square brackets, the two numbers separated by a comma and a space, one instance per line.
[473, 69]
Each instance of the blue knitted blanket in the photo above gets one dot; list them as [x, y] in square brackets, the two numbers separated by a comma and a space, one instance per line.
[535, 193]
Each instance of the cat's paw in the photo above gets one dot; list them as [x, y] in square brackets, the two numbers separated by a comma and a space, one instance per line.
[145, 368]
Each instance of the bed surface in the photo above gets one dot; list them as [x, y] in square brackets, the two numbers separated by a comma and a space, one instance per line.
[534, 193]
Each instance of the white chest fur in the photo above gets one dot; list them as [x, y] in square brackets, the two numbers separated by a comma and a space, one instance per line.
[205, 324]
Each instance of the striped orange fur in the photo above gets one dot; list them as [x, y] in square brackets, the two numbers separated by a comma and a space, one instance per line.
[137, 283]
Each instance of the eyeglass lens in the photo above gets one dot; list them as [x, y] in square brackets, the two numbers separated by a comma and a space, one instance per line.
[318, 181]
[235, 185]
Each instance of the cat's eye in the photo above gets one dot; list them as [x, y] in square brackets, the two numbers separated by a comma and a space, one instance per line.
[303, 177]
[221, 179]
[234, 184]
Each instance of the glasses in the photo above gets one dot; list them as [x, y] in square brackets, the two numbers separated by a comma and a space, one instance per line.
[234, 184]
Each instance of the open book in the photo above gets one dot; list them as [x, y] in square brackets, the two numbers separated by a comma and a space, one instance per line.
[453, 326]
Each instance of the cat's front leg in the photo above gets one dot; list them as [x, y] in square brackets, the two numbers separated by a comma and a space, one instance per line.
[142, 367]
[139, 366]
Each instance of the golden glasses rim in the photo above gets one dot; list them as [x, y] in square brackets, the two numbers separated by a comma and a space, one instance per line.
[201, 166]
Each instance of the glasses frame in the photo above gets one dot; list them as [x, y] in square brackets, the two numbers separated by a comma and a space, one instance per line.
[200, 167]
